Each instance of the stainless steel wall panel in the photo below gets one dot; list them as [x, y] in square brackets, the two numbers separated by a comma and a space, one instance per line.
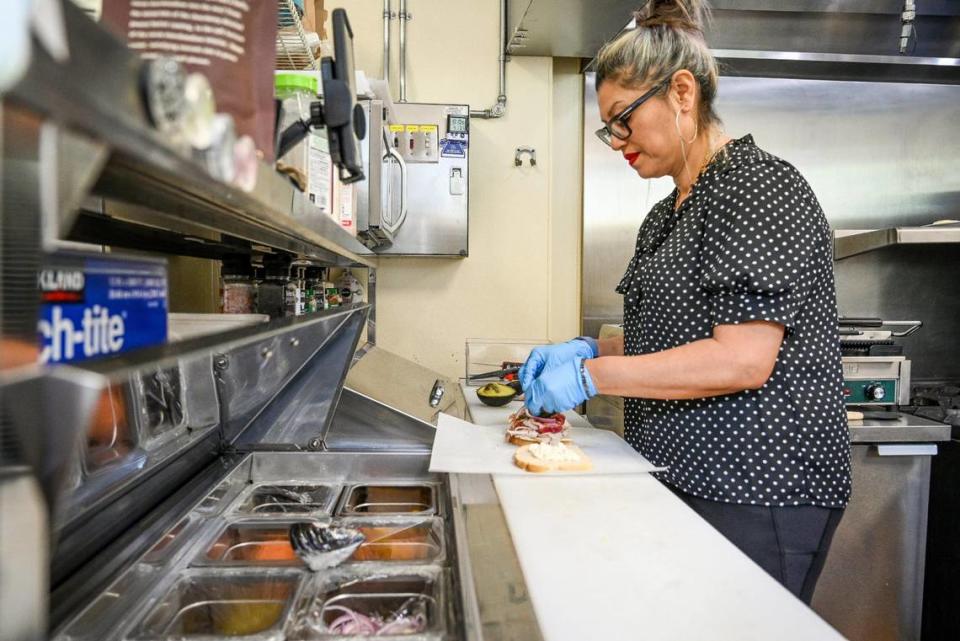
[876, 154]
[615, 202]
[918, 282]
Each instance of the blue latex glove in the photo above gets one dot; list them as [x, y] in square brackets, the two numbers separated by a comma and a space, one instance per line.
[559, 388]
[549, 355]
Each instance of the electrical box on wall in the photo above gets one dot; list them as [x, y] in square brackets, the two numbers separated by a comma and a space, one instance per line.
[415, 201]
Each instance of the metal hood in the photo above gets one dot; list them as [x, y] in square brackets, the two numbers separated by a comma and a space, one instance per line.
[824, 33]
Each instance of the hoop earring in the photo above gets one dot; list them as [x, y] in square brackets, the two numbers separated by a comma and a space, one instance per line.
[696, 131]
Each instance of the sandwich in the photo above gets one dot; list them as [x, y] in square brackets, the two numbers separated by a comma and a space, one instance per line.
[523, 428]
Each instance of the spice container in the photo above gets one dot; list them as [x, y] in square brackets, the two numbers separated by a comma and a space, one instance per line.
[224, 603]
[350, 289]
[239, 295]
[413, 498]
[271, 296]
[293, 298]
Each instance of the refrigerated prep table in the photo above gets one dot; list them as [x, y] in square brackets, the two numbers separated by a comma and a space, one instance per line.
[177, 503]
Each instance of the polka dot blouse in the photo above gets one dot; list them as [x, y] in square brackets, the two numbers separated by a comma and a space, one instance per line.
[749, 243]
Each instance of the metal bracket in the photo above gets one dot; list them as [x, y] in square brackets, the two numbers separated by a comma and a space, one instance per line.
[906, 21]
[518, 156]
[436, 394]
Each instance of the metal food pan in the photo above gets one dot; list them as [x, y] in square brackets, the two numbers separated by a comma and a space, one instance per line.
[250, 542]
[287, 499]
[377, 594]
[398, 540]
[205, 604]
[390, 499]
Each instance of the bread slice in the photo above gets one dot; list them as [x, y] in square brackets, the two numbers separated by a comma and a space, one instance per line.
[526, 461]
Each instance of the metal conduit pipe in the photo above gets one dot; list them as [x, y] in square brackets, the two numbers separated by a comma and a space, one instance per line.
[404, 17]
[387, 17]
[500, 108]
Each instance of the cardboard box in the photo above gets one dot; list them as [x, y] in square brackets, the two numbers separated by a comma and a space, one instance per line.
[345, 205]
[94, 305]
[315, 17]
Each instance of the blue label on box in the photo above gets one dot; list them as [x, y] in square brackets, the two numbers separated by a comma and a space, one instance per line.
[100, 306]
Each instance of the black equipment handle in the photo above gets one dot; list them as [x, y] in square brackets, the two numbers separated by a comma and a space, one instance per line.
[845, 321]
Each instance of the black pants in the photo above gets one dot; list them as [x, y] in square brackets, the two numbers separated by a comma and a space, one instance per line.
[790, 543]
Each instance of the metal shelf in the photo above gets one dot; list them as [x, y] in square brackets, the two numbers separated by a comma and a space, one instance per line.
[905, 429]
[865, 241]
[95, 95]
[293, 51]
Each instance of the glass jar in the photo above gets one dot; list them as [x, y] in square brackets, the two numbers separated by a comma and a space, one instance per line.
[238, 295]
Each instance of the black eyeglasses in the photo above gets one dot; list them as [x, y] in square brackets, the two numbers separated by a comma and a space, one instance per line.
[617, 126]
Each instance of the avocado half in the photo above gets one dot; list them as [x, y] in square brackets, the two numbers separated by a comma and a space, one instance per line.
[496, 394]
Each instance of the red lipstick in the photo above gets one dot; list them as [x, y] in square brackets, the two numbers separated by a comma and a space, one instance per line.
[632, 156]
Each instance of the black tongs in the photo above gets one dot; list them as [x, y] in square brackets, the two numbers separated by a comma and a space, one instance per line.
[500, 373]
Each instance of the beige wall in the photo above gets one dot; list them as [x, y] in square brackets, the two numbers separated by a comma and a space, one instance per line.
[521, 279]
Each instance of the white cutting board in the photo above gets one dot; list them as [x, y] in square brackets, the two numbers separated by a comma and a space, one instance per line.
[620, 558]
[464, 448]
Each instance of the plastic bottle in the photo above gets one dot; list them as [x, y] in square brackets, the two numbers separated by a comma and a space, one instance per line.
[350, 289]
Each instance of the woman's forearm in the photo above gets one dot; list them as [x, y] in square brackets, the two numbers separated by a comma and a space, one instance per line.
[612, 346]
[734, 359]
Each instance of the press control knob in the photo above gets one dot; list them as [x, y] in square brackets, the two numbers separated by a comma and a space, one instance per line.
[875, 392]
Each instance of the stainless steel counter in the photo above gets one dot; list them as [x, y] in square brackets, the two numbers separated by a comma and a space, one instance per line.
[906, 429]
[879, 548]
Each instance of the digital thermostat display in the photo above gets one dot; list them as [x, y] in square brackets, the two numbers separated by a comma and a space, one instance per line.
[457, 124]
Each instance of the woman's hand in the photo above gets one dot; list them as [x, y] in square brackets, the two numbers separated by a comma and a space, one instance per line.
[550, 355]
[560, 387]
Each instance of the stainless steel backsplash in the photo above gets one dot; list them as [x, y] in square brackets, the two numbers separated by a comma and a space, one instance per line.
[877, 155]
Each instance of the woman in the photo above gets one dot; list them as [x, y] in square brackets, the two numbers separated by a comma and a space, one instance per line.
[730, 359]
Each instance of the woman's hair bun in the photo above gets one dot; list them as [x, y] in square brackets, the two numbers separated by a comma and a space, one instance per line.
[687, 15]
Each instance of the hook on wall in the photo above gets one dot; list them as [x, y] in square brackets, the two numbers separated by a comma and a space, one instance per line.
[529, 151]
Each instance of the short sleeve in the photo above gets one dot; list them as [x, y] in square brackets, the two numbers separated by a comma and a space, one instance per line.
[761, 230]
